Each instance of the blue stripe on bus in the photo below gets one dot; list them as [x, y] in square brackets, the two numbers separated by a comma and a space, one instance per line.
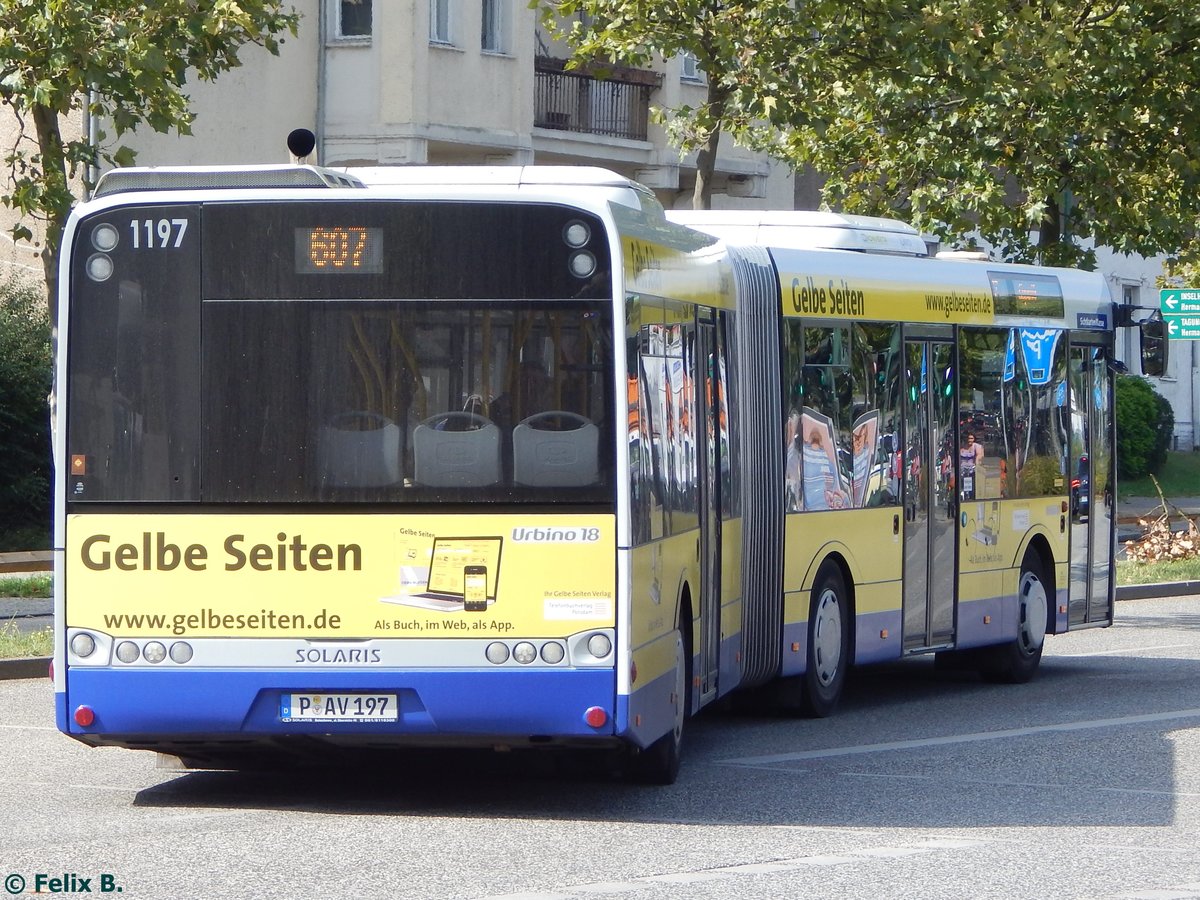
[205, 701]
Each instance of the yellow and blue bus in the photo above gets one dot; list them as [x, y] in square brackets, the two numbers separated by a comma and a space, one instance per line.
[503, 457]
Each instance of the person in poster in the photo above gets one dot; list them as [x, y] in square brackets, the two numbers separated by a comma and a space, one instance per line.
[822, 480]
[865, 438]
[793, 443]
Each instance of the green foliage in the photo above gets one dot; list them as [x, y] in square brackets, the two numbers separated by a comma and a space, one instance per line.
[25, 379]
[1027, 123]
[1039, 475]
[1178, 477]
[26, 586]
[124, 63]
[15, 644]
[1145, 423]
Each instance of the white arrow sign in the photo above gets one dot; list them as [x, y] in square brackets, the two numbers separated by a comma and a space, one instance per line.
[1172, 326]
[1171, 301]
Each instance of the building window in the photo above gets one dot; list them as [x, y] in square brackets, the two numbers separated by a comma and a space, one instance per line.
[689, 67]
[439, 21]
[354, 19]
[491, 34]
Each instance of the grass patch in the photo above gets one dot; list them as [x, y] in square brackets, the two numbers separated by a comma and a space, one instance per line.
[15, 645]
[33, 586]
[1158, 572]
[1179, 477]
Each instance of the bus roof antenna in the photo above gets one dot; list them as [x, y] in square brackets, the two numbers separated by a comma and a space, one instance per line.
[300, 143]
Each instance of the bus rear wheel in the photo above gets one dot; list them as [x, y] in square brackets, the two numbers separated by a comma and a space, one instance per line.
[820, 687]
[659, 763]
[1017, 661]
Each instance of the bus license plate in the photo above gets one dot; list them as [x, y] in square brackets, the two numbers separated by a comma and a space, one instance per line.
[338, 708]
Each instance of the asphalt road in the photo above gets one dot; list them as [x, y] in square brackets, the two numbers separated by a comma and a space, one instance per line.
[1083, 784]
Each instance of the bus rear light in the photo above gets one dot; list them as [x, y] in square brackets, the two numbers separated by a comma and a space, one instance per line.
[599, 646]
[497, 652]
[181, 652]
[83, 645]
[99, 267]
[154, 652]
[105, 237]
[596, 717]
[576, 234]
[582, 264]
[524, 653]
[128, 651]
[553, 652]
[84, 716]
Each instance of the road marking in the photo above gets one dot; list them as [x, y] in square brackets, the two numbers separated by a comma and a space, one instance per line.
[950, 740]
[770, 867]
[28, 728]
[942, 779]
[1117, 652]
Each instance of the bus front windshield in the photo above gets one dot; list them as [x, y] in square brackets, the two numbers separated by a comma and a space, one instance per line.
[339, 401]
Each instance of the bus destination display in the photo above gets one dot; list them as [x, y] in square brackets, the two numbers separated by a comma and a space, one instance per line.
[344, 249]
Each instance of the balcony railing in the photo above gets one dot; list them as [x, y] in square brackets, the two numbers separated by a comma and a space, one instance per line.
[617, 105]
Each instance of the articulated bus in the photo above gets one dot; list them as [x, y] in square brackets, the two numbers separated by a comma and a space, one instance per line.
[503, 458]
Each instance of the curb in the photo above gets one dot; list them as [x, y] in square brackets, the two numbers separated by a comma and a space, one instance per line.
[30, 667]
[1165, 589]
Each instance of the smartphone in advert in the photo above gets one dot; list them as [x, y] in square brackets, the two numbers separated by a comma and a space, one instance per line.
[475, 588]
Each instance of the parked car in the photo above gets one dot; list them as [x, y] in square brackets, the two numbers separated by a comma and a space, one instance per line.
[1079, 491]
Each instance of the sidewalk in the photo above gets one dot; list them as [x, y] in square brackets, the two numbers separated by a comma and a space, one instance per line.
[1132, 508]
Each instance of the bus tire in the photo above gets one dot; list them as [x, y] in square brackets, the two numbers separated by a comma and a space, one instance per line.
[659, 763]
[828, 643]
[1017, 661]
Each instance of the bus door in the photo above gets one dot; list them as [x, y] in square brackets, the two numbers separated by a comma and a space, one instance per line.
[930, 507]
[1090, 485]
[709, 367]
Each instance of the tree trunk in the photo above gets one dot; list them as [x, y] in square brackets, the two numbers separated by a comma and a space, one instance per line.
[1050, 233]
[706, 158]
[54, 171]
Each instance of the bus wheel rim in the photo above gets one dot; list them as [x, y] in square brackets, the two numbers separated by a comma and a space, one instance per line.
[1034, 607]
[827, 637]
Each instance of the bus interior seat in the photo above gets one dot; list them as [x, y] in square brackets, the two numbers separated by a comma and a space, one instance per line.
[546, 457]
[456, 449]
